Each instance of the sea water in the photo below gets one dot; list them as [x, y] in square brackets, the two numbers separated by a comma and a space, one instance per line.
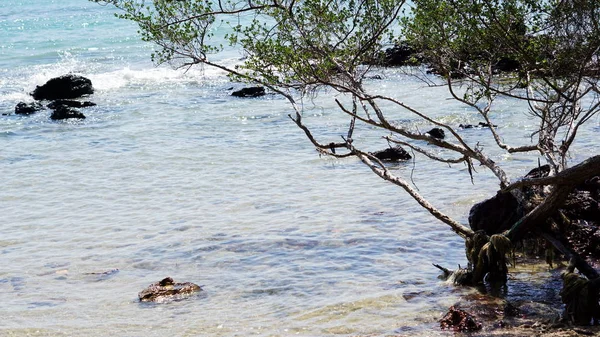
[169, 175]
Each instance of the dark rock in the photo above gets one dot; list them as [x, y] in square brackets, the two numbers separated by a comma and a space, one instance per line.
[23, 108]
[506, 64]
[399, 55]
[480, 125]
[496, 214]
[511, 311]
[502, 211]
[64, 87]
[249, 92]
[459, 320]
[436, 133]
[375, 77]
[69, 103]
[392, 154]
[167, 289]
[63, 112]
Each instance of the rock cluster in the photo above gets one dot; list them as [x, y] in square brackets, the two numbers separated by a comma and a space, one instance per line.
[61, 92]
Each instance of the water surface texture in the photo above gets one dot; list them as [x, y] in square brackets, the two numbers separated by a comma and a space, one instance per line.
[171, 176]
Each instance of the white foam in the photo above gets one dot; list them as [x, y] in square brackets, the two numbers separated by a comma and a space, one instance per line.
[109, 76]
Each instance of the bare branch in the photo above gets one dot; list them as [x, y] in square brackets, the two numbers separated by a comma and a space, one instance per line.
[380, 169]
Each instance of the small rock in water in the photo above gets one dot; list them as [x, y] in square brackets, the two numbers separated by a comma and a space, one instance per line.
[392, 154]
[167, 289]
[480, 125]
[23, 108]
[249, 92]
[436, 133]
[63, 112]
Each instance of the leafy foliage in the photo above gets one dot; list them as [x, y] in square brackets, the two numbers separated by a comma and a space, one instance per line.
[554, 47]
[288, 44]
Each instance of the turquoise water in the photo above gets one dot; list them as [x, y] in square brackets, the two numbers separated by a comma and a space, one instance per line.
[171, 176]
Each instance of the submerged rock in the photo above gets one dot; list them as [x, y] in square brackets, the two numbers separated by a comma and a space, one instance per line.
[69, 103]
[64, 87]
[249, 92]
[480, 125]
[459, 320]
[167, 289]
[23, 108]
[63, 112]
[392, 154]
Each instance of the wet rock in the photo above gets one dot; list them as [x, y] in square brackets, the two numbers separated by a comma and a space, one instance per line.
[103, 275]
[249, 92]
[399, 55]
[392, 154]
[436, 133]
[460, 321]
[580, 299]
[64, 87]
[69, 103]
[23, 108]
[63, 112]
[496, 214]
[167, 289]
[480, 125]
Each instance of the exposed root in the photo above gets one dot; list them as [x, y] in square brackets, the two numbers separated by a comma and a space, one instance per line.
[580, 298]
[487, 257]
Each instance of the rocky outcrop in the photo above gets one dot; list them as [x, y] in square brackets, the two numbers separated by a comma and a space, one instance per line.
[392, 154]
[249, 92]
[399, 55]
[168, 290]
[23, 108]
[64, 87]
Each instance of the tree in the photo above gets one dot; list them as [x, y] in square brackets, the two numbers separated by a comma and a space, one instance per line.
[297, 47]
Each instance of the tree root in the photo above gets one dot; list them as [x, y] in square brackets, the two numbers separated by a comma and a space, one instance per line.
[580, 297]
[487, 257]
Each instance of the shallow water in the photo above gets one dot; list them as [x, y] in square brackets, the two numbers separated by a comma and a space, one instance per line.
[170, 176]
